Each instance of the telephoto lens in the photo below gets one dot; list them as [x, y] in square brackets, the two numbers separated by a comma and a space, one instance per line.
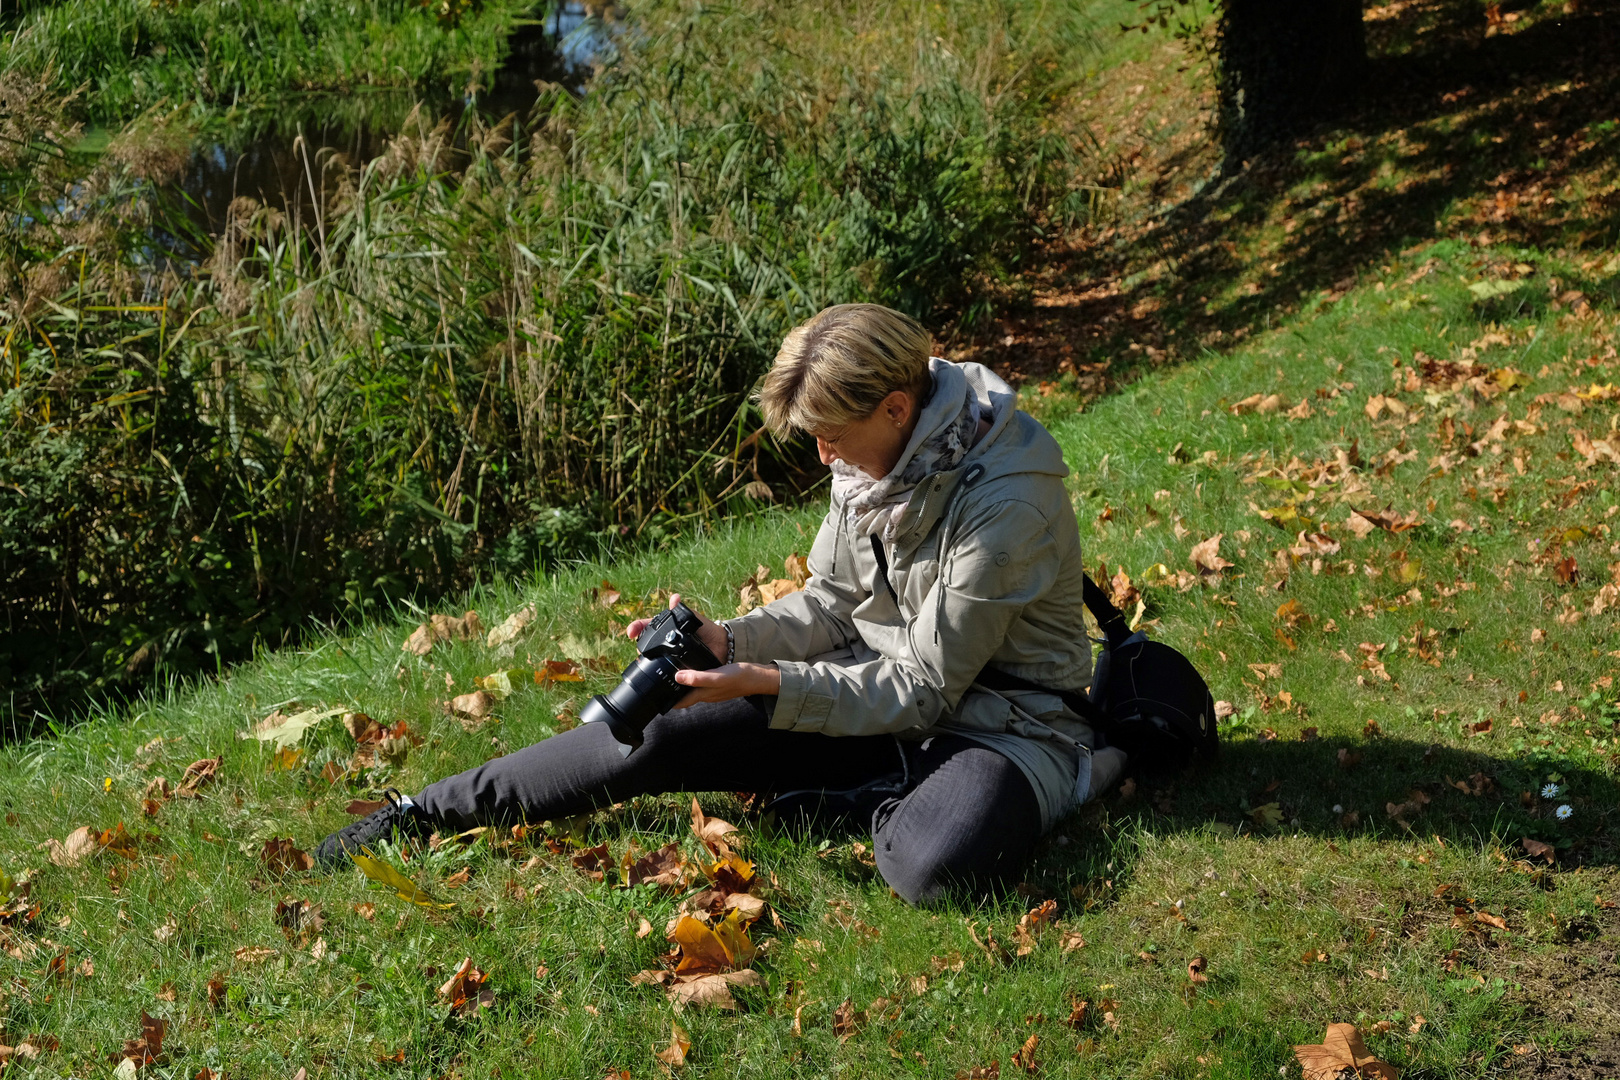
[670, 643]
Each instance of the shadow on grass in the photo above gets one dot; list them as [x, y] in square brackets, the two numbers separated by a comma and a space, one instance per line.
[1385, 788]
[1511, 137]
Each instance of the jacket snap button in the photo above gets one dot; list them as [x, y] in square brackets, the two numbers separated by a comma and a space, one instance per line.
[1001, 558]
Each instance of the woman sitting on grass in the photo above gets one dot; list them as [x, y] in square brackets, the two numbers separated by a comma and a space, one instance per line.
[950, 545]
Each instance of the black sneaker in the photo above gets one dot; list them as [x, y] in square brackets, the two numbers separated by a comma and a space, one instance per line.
[395, 819]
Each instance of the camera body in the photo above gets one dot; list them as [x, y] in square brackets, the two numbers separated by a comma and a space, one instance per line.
[647, 688]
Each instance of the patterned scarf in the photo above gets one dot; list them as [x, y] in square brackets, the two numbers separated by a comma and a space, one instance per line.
[942, 439]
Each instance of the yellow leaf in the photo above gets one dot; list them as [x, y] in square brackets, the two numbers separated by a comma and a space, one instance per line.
[384, 874]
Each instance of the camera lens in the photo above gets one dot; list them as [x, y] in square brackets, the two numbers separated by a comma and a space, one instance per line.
[647, 689]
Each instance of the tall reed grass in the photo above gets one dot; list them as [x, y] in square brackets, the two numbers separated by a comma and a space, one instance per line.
[486, 368]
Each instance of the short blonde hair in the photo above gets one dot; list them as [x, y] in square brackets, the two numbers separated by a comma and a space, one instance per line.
[838, 367]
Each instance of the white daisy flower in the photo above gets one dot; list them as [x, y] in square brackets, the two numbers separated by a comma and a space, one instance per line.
[1564, 812]
[1550, 791]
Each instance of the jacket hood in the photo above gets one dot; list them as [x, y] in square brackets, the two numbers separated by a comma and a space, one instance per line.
[1016, 443]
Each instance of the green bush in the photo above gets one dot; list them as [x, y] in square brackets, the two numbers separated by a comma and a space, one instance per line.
[497, 367]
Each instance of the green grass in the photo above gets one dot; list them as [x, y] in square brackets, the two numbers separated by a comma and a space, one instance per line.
[1259, 851]
[206, 57]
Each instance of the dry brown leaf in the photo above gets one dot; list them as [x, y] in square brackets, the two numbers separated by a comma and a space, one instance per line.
[664, 867]
[712, 991]
[1537, 850]
[79, 845]
[1024, 1057]
[471, 709]
[991, 1071]
[252, 954]
[847, 1020]
[1196, 968]
[1206, 557]
[443, 628]
[281, 856]
[1342, 1050]
[712, 831]
[149, 1047]
[467, 989]
[198, 775]
[674, 1055]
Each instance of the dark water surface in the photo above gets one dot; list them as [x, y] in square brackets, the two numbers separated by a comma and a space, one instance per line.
[296, 160]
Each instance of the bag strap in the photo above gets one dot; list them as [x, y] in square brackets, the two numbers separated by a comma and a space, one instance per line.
[1109, 617]
[1115, 629]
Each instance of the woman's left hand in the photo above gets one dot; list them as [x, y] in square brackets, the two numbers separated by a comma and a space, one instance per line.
[728, 682]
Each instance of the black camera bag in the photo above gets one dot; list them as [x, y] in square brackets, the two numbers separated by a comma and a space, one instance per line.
[1146, 698]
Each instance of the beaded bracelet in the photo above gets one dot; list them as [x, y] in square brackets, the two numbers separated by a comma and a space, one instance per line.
[731, 644]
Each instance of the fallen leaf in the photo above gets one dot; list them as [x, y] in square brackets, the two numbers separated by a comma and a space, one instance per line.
[711, 831]
[1537, 850]
[284, 731]
[991, 1071]
[847, 1020]
[468, 989]
[674, 1055]
[712, 990]
[1196, 968]
[664, 867]
[252, 954]
[471, 709]
[443, 628]
[79, 845]
[384, 874]
[1342, 1050]
[1206, 556]
[1268, 814]
[1024, 1056]
[217, 991]
[149, 1047]
[281, 856]
[514, 624]
[198, 775]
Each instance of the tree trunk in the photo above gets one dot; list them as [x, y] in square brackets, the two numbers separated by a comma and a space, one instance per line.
[1286, 64]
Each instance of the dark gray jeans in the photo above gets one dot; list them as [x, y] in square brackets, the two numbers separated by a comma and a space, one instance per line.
[966, 819]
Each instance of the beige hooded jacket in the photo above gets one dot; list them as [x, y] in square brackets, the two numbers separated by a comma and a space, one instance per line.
[983, 568]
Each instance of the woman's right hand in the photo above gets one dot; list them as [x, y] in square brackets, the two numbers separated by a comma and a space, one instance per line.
[710, 633]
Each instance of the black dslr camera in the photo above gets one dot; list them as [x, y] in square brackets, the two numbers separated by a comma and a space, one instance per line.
[670, 643]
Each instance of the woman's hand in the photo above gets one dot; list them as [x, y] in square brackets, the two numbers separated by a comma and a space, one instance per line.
[710, 633]
[730, 681]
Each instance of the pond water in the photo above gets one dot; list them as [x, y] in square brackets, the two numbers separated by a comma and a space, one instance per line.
[289, 162]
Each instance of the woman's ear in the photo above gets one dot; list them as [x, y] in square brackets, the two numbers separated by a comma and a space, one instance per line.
[899, 407]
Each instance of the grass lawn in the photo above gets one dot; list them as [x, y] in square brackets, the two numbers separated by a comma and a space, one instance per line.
[1399, 701]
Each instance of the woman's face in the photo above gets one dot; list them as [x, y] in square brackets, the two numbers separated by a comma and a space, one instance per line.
[873, 444]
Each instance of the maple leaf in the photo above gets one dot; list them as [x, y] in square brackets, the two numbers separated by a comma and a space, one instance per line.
[1024, 1057]
[674, 1055]
[711, 831]
[198, 775]
[471, 710]
[1537, 850]
[514, 624]
[468, 989]
[443, 628]
[1269, 814]
[712, 990]
[1340, 1051]
[284, 731]
[281, 856]
[1206, 557]
[149, 1047]
[847, 1020]
[79, 845]
[1196, 968]
[664, 867]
